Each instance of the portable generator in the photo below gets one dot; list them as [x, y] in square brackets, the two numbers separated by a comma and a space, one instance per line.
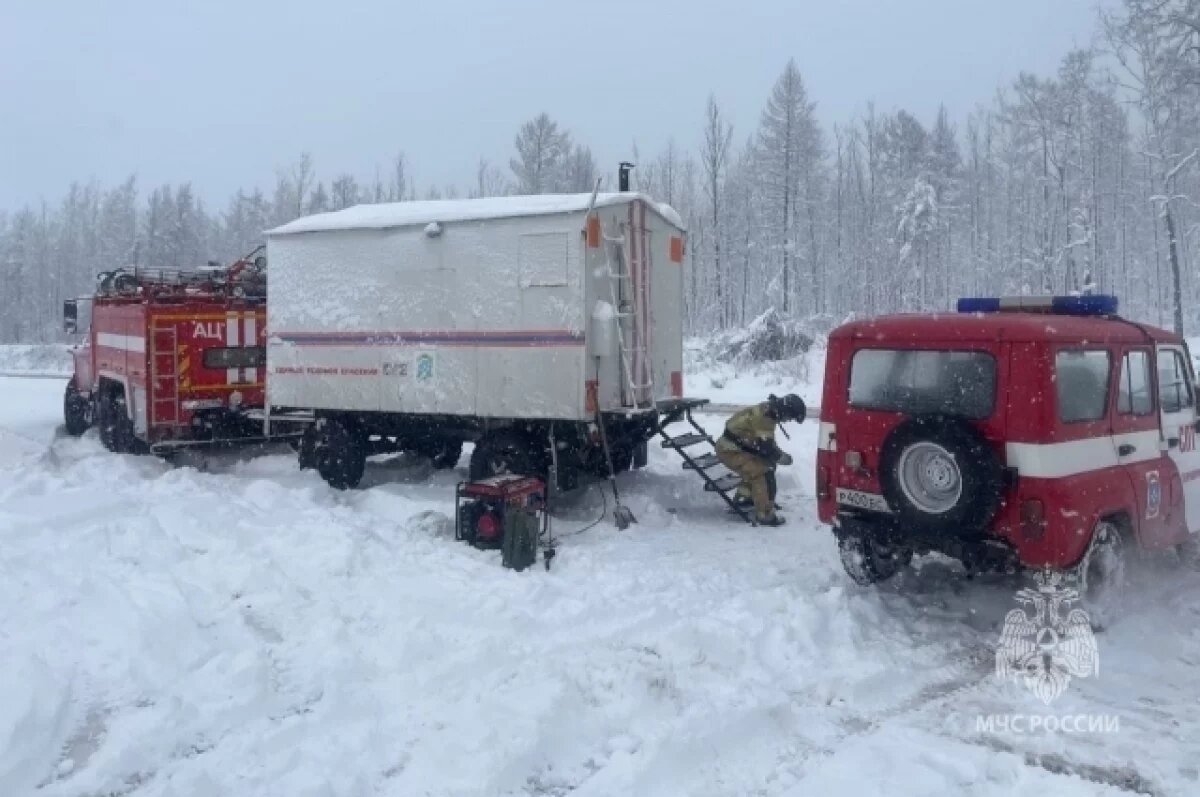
[505, 512]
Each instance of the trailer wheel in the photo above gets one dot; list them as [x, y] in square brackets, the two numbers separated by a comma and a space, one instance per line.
[77, 411]
[341, 456]
[445, 454]
[507, 452]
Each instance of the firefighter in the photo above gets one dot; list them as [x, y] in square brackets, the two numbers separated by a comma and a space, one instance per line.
[748, 448]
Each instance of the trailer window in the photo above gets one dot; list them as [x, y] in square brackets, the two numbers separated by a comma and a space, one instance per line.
[913, 382]
[245, 357]
[1081, 384]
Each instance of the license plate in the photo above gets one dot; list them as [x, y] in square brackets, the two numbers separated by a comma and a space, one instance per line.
[861, 500]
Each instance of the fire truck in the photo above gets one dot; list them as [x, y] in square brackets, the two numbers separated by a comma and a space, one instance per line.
[171, 359]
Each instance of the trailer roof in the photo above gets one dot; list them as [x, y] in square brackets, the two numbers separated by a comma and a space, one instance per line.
[407, 214]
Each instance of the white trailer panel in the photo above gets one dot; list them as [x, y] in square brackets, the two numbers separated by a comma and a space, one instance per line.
[482, 308]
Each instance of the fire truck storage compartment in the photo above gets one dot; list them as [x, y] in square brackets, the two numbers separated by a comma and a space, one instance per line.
[490, 318]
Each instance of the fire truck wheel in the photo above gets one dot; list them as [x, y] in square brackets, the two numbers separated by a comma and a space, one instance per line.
[306, 448]
[940, 474]
[506, 451]
[77, 411]
[340, 453]
[116, 429]
[1102, 575]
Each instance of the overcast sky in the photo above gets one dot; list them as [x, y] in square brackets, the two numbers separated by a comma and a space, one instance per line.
[223, 93]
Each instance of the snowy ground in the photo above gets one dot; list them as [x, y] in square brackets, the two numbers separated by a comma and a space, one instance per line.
[245, 630]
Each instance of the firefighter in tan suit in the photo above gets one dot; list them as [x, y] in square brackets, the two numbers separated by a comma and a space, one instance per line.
[748, 448]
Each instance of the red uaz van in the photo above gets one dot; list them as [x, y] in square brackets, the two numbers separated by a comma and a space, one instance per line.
[1029, 432]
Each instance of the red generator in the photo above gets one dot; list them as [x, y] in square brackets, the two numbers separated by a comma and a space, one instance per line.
[506, 512]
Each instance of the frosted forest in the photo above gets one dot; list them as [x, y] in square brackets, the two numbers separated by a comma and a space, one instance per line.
[1082, 180]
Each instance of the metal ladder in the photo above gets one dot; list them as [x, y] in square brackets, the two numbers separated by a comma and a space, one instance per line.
[674, 410]
[164, 343]
[620, 280]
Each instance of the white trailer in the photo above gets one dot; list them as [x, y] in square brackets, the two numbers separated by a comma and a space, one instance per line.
[506, 321]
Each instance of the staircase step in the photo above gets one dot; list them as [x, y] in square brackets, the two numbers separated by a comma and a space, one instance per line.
[685, 440]
[724, 484]
[703, 462]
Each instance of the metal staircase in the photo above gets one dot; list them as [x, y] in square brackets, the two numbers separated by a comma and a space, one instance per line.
[675, 410]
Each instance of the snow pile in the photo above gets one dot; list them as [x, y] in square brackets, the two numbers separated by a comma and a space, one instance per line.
[244, 629]
[773, 354]
[769, 338]
[35, 359]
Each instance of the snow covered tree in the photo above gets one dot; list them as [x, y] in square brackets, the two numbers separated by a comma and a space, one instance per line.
[788, 149]
[542, 150]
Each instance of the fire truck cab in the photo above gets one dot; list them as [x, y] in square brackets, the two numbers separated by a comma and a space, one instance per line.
[170, 358]
[1038, 432]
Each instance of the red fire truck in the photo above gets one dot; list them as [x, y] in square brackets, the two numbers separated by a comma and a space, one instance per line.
[171, 359]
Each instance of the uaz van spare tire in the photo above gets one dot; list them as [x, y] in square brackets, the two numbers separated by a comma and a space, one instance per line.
[939, 474]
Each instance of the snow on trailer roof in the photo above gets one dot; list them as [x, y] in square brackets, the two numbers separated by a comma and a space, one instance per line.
[409, 214]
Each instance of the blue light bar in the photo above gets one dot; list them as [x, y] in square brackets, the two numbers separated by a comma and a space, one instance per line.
[978, 305]
[1093, 305]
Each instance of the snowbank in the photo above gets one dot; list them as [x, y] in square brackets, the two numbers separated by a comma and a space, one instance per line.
[37, 359]
[233, 626]
[707, 376]
[771, 337]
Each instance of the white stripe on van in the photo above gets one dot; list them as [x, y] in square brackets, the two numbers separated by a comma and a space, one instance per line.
[1074, 457]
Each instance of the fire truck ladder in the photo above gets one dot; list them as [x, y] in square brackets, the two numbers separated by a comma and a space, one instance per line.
[164, 375]
[675, 410]
[621, 284]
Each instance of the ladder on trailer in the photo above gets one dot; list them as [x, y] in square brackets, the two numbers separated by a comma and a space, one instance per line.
[675, 410]
[624, 301]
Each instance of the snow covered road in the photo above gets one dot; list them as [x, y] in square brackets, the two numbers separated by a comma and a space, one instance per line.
[241, 629]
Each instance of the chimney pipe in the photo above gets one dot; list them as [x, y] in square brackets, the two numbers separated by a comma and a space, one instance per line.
[623, 176]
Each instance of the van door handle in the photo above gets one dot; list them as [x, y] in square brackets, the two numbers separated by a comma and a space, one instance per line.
[1172, 442]
[1125, 449]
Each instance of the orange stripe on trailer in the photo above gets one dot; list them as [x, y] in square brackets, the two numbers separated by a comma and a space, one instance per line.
[591, 388]
[593, 231]
[676, 249]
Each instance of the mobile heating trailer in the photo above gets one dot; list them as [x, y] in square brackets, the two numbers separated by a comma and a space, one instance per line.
[511, 322]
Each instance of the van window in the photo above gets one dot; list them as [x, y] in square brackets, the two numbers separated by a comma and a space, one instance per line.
[1135, 396]
[1081, 383]
[1174, 387]
[913, 382]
